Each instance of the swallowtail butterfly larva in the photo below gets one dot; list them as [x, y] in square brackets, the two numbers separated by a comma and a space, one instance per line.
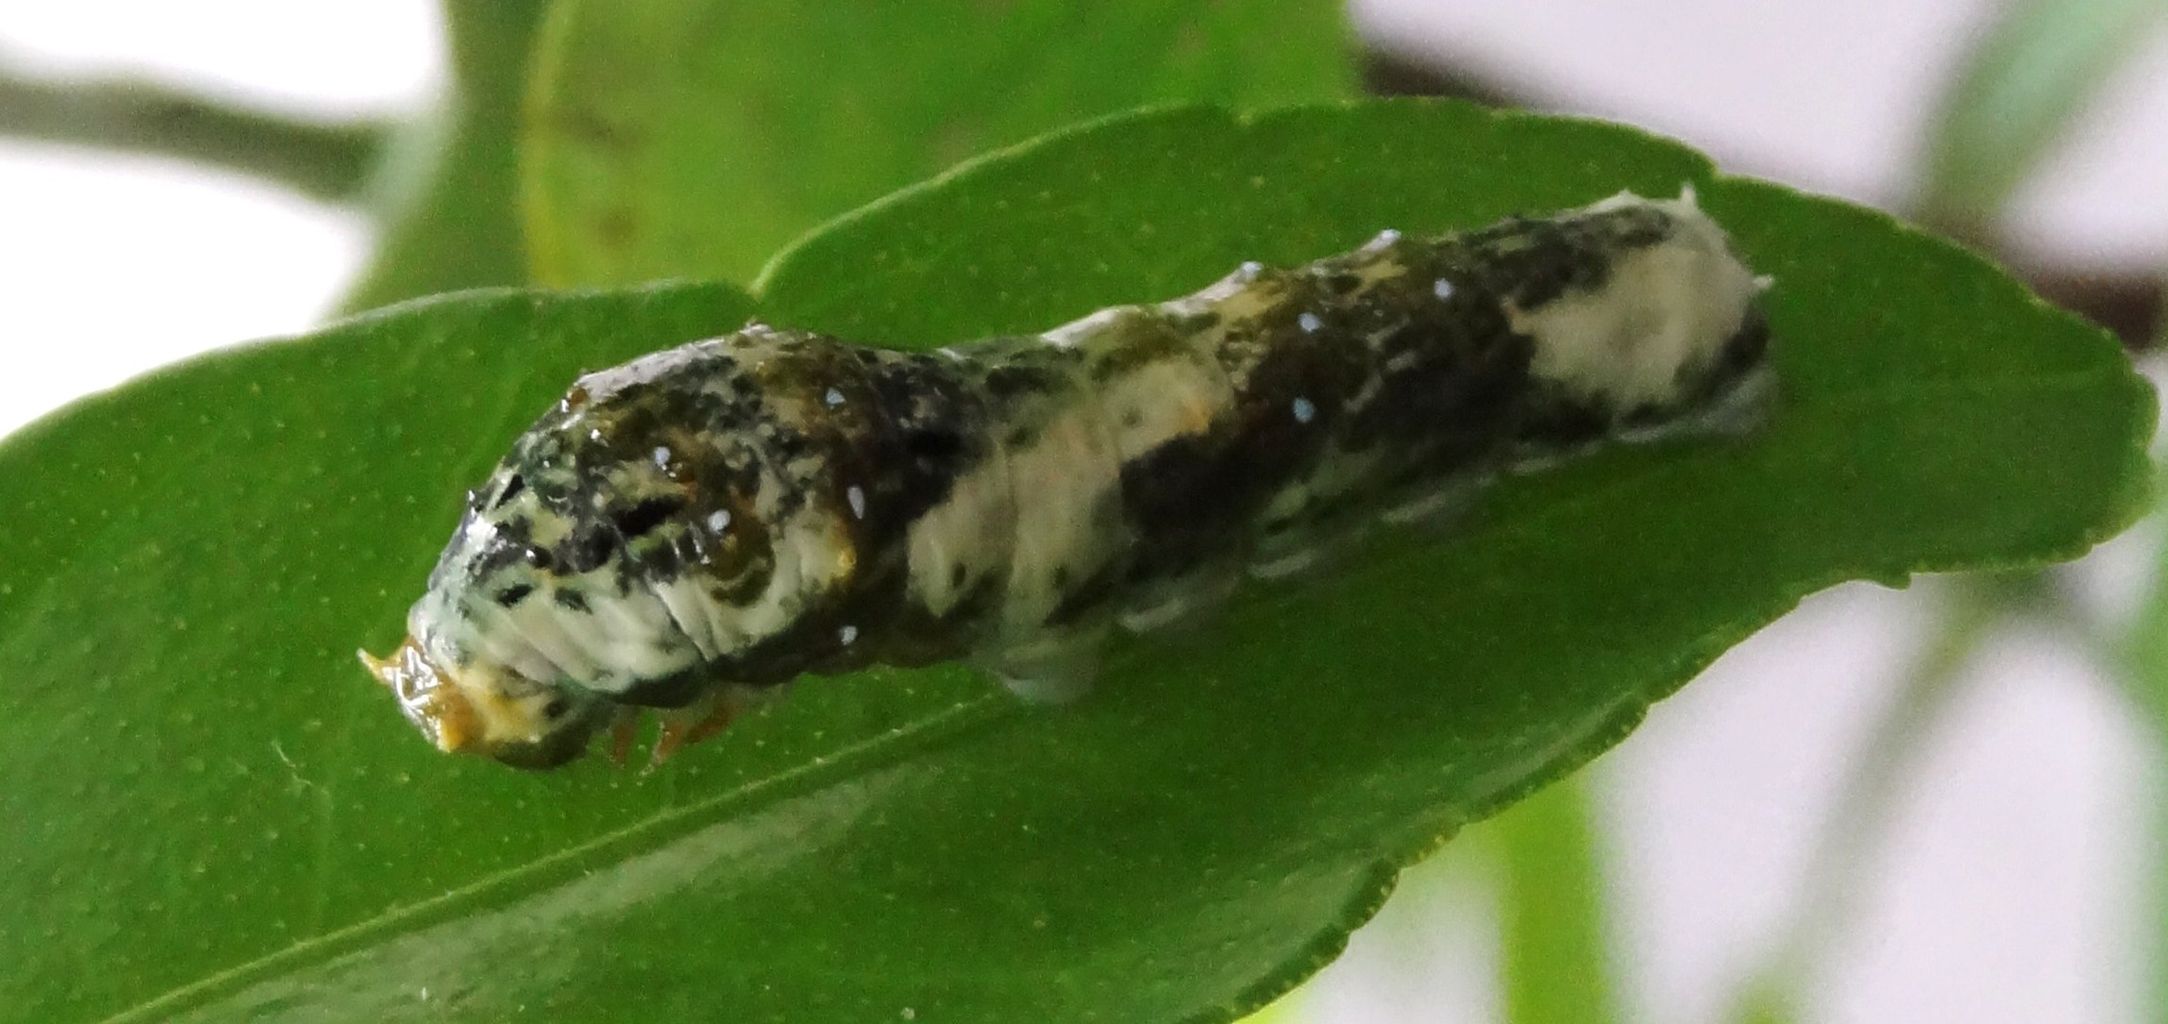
[702, 524]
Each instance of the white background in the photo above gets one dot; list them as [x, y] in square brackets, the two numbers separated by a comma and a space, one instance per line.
[2006, 892]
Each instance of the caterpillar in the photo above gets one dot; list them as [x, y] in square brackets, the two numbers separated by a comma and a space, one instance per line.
[694, 528]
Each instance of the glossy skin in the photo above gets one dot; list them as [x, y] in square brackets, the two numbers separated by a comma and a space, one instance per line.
[713, 520]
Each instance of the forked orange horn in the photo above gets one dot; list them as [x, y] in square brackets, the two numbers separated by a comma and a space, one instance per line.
[441, 712]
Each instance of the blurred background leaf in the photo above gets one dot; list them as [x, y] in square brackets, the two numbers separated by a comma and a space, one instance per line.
[448, 187]
[2145, 671]
[1552, 907]
[2017, 94]
[693, 138]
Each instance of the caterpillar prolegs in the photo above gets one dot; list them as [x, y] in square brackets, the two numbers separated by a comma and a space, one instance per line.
[704, 523]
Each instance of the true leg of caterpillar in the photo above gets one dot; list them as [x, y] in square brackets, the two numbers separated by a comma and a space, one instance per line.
[688, 726]
[624, 729]
[694, 722]
[681, 727]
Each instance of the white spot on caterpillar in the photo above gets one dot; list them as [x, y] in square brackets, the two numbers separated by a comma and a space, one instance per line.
[1310, 323]
[1441, 288]
[1304, 410]
[832, 398]
[661, 455]
[719, 520]
[848, 635]
[857, 497]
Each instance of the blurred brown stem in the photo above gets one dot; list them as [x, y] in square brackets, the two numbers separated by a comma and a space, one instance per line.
[1388, 73]
[2126, 303]
[322, 159]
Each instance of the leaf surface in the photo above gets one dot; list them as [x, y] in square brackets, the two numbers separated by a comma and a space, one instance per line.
[692, 138]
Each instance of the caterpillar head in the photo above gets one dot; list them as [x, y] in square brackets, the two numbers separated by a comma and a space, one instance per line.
[643, 543]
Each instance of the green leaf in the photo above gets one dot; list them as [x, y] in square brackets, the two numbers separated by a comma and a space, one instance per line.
[449, 189]
[2146, 680]
[2019, 92]
[1552, 910]
[692, 138]
[219, 819]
